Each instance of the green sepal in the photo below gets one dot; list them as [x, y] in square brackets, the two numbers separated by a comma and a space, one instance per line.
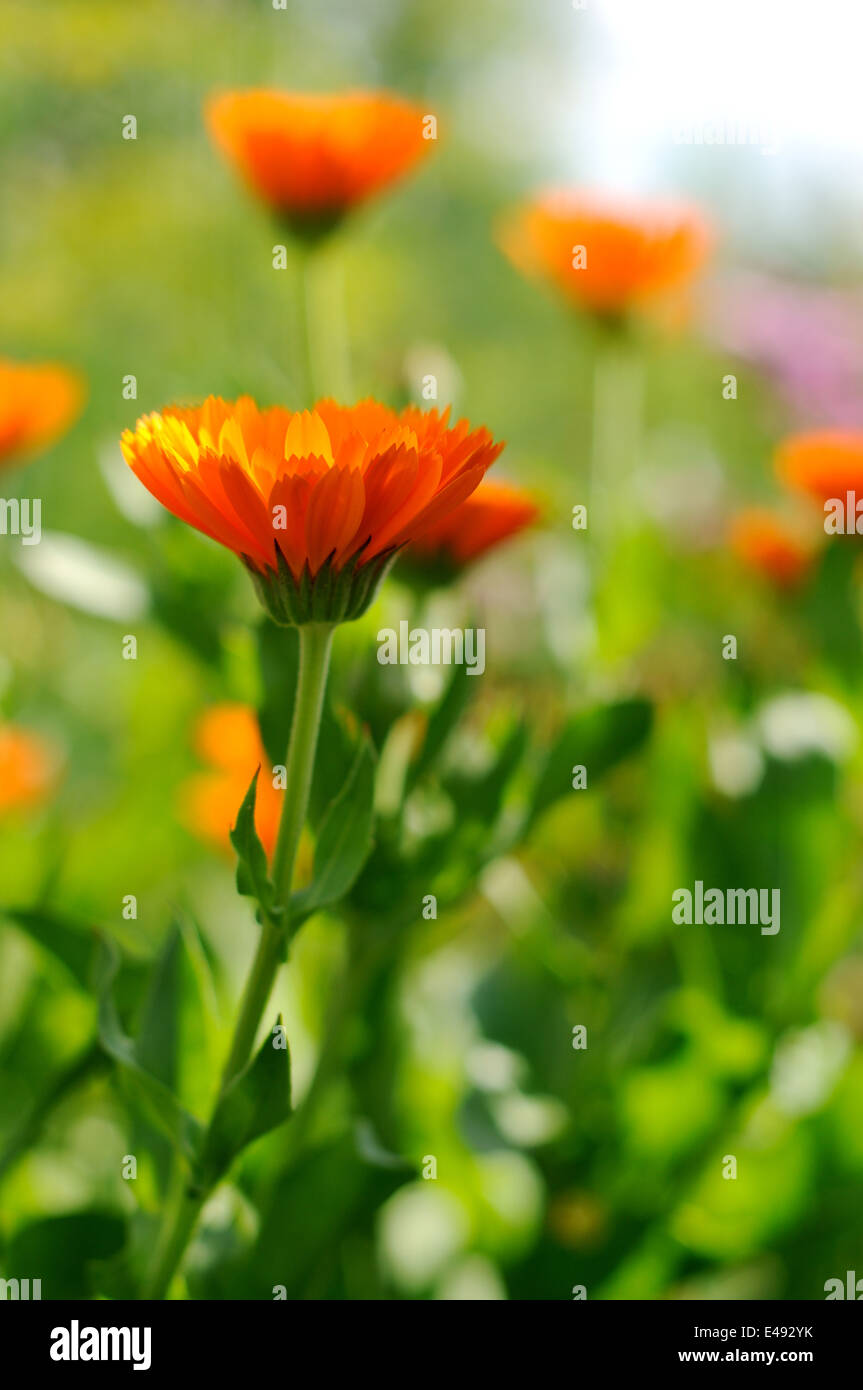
[336, 594]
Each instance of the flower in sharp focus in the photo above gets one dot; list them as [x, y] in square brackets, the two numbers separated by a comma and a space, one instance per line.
[771, 546]
[824, 464]
[228, 741]
[608, 257]
[316, 503]
[28, 769]
[38, 403]
[313, 157]
[493, 514]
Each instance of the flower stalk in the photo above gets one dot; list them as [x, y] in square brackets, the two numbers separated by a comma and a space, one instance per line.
[192, 1192]
[321, 301]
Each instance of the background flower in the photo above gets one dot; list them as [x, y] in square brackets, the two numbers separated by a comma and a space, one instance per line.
[313, 157]
[490, 516]
[805, 338]
[28, 769]
[771, 546]
[823, 463]
[632, 252]
[38, 403]
[228, 740]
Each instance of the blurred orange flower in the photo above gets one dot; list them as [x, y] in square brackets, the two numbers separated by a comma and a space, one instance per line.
[771, 546]
[28, 769]
[38, 402]
[823, 463]
[227, 738]
[491, 515]
[314, 157]
[607, 256]
[315, 503]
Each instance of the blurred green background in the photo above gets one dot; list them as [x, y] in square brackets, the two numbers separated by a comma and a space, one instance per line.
[555, 1167]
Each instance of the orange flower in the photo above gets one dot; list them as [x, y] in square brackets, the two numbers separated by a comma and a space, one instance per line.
[314, 157]
[227, 738]
[824, 463]
[491, 515]
[772, 547]
[316, 503]
[28, 769]
[37, 404]
[608, 257]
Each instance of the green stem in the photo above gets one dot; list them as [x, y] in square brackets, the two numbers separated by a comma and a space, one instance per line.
[308, 383]
[257, 991]
[315, 644]
[617, 406]
[175, 1236]
[323, 325]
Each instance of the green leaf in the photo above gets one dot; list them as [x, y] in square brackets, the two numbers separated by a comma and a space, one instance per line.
[257, 1100]
[442, 722]
[598, 739]
[158, 1039]
[64, 1250]
[252, 874]
[336, 751]
[481, 795]
[830, 606]
[279, 664]
[345, 837]
[64, 938]
[156, 1100]
[156, 1044]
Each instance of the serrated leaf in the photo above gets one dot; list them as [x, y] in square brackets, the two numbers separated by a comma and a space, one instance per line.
[253, 879]
[345, 837]
[158, 1102]
[257, 1100]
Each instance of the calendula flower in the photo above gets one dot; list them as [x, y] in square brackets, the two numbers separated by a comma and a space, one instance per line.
[28, 769]
[824, 464]
[491, 515]
[607, 257]
[228, 740]
[771, 546]
[313, 157]
[316, 503]
[38, 402]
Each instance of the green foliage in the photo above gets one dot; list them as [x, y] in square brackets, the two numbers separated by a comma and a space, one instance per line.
[256, 1101]
[475, 906]
[344, 837]
[155, 1099]
[253, 879]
